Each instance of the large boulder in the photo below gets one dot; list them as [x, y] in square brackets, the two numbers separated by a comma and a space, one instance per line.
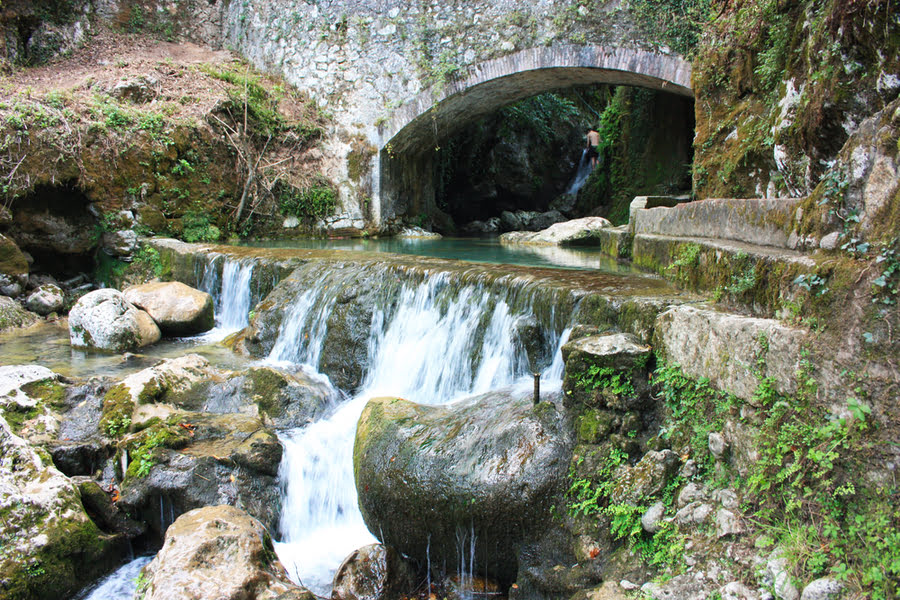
[49, 547]
[217, 552]
[178, 309]
[486, 470]
[104, 320]
[47, 299]
[577, 232]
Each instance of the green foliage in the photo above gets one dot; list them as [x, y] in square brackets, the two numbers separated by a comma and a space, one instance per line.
[314, 202]
[814, 284]
[605, 378]
[695, 409]
[537, 114]
[198, 227]
[886, 286]
[678, 23]
[142, 447]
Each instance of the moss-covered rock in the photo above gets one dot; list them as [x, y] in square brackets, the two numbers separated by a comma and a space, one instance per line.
[490, 467]
[48, 545]
[12, 315]
[12, 262]
[606, 371]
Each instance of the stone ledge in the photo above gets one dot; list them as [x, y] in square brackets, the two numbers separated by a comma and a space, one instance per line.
[732, 351]
[762, 222]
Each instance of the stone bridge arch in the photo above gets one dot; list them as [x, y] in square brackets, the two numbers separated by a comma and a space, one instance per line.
[406, 141]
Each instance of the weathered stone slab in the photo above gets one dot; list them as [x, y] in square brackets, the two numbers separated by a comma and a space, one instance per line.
[733, 351]
[760, 221]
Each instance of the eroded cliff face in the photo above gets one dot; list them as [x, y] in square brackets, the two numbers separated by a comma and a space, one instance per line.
[781, 86]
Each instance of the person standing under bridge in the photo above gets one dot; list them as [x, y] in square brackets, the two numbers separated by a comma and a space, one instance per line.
[593, 141]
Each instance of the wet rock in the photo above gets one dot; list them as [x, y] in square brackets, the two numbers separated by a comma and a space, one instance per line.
[418, 461]
[374, 572]
[178, 309]
[46, 299]
[48, 546]
[13, 315]
[192, 460]
[825, 588]
[651, 520]
[121, 243]
[282, 398]
[416, 232]
[482, 227]
[104, 320]
[519, 220]
[218, 552]
[25, 391]
[618, 359]
[105, 513]
[353, 291]
[645, 479]
[577, 232]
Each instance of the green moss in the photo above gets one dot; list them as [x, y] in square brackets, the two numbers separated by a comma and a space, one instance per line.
[51, 393]
[153, 390]
[72, 556]
[594, 426]
[16, 416]
[265, 387]
[143, 447]
[12, 261]
[118, 407]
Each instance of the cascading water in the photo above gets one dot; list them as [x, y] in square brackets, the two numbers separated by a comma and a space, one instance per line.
[119, 584]
[581, 175]
[232, 294]
[431, 342]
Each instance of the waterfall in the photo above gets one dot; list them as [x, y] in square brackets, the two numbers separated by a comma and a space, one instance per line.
[231, 292]
[581, 174]
[432, 342]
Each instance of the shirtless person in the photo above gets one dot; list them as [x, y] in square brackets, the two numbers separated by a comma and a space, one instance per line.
[593, 140]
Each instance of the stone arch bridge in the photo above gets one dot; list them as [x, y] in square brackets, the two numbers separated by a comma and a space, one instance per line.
[398, 76]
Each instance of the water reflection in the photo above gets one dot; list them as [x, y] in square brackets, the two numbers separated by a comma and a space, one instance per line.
[480, 250]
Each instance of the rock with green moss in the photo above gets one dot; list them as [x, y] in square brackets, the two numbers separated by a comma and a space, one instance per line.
[49, 547]
[193, 460]
[178, 309]
[47, 299]
[13, 267]
[282, 398]
[26, 393]
[217, 552]
[606, 371]
[104, 320]
[489, 467]
[12, 315]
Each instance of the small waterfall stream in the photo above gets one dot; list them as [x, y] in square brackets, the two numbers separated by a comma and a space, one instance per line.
[232, 293]
[433, 343]
[581, 174]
